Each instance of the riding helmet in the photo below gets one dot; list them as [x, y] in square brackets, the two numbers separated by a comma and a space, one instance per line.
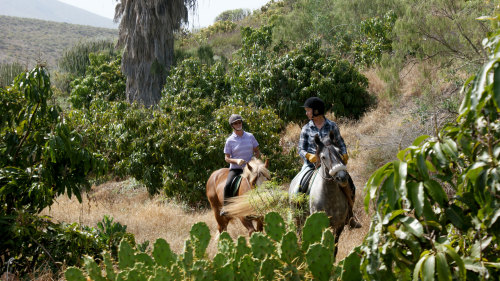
[316, 104]
[234, 118]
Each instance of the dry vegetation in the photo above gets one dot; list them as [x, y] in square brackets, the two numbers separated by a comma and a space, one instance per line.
[372, 141]
[27, 41]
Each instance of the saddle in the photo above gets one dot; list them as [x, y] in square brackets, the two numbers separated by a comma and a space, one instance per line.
[235, 186]
[305, 180]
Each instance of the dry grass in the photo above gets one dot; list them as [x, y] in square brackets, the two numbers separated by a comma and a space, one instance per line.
[148, 218]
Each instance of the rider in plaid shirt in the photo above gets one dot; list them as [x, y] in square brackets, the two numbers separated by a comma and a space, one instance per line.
[319, 124]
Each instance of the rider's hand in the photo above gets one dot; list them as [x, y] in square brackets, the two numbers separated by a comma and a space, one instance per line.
[311, 157]
[240, 162]
[345, 158]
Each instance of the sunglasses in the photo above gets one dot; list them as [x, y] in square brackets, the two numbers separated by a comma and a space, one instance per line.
[236, 122]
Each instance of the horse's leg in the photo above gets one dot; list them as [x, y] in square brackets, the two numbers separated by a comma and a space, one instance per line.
[260, 224]
[248, 224]
[221, 221]
[337, 236]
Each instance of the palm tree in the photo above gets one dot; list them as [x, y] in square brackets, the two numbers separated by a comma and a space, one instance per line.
[147, 33]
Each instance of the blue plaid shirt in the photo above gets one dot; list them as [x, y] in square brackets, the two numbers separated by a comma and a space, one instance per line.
[306, 142]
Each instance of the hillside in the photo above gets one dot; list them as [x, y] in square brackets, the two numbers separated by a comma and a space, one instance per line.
[53, 10]
[28, 40]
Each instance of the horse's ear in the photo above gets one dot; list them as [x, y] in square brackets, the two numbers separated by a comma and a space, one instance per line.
[266, 164]
[249, 167]
[317, 140]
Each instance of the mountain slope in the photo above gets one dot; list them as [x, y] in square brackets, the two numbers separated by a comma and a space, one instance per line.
[53, 10]
[27, 40]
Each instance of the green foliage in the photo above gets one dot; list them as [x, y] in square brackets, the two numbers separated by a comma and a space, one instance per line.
[233, 15]
[234, 261]
[103, 80]
[285, 81]
[376, 39]
[437, 206]
[40, 158]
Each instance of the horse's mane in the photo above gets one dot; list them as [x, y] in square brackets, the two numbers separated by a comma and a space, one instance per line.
[258, 167]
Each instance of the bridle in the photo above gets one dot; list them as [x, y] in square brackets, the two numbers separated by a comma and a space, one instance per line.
[333, 152]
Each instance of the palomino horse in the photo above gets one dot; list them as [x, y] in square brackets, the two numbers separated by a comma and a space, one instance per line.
[326, 185]
[254, 174]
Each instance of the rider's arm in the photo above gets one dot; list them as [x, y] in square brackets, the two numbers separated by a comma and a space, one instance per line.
[256, 152]
[303, 143]
[339, 139]
[230, 160]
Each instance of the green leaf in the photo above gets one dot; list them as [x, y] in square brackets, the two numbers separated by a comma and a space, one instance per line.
[416, 196]
[458, 260]
[438, 152]
[413, 226]
[457, 217]
[436, 192]
[418, 266]
[419, 140]
[443, 269]
[496, 85]
[422, 167]
[429, 268]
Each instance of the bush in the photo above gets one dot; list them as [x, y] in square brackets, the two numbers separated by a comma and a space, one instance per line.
[284, 82]
[103, 80]
[436, 208]
[40, 158]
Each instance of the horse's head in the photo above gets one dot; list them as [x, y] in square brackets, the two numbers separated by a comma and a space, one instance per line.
[329, 155]
[256, 172]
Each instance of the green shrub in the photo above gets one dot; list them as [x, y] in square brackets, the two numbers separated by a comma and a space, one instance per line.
[40, 159]
[103, 80]
[436, 208]
[285, 81]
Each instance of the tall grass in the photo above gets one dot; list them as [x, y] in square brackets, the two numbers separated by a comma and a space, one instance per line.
[76, 59]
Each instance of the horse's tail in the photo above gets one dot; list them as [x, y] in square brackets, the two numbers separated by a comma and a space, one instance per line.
[258, 202]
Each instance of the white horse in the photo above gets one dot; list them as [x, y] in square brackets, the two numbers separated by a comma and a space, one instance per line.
[326, 185]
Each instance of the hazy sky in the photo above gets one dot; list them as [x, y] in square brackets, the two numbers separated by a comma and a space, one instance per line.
[206, 13]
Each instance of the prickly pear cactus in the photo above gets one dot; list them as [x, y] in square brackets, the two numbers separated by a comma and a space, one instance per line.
[289, 248]
[74, 274]
[262, 246]
[93, 269]
[319, 261]
[187, 256]
[162, 253]
[351, 266]
[226, 245]
[200, 237]
[247, 268]
[267, 268]
[110, 272]
[241, 248]
[125, 255]
[313, 229]
[145, 259]
[225, 273]
[328, 240]
[274, 226]
[202, 271]
[161, 274]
